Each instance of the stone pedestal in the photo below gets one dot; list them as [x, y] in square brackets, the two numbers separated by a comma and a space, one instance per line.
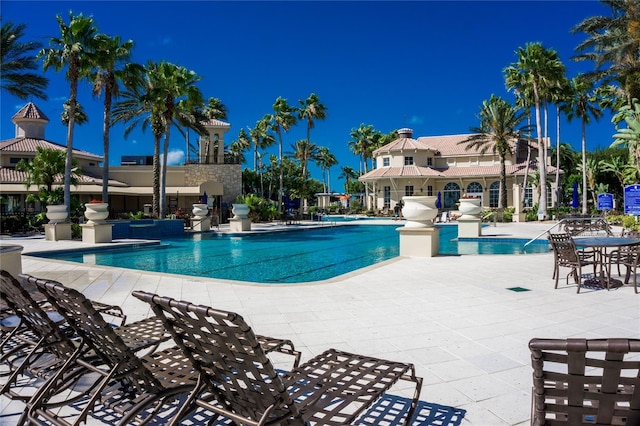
[239, 225]
[419, 242]
[94, 233]
[11, 259]
[200, 224]
[469, 228]
[57, 231]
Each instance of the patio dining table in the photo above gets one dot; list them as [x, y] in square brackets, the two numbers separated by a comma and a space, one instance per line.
[600, 245]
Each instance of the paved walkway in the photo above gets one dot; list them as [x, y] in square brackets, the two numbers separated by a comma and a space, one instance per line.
[454, 317]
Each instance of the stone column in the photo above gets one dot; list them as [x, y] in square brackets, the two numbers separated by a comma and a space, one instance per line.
[11, 259]
[57, 231]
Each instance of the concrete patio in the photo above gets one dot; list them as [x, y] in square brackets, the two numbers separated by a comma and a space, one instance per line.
[454, 317]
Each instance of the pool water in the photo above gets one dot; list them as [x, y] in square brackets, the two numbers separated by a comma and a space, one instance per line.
[279, 257]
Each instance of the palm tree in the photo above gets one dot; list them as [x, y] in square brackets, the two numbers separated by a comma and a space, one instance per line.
[582, 104]
[240, 145]
[629, 136]
[110, 53]
[348, 174]
[174, 92]
[215, 109]
[558, 94]
[613, 44]
[261, 139]
[80, 118]
[304, 151]
[326, 160]
[137, 109]
[537, 68]
[73, 50]
[310, 110]
[500, 125]
[283, 119]
[17, 62]
[43, 169]
[361, 142]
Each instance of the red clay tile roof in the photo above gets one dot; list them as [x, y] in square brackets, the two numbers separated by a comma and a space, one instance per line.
[29, 111]
[444, 146]
[404, 171]
[417, 171]
[29, 145]
[217, 123]
[11, 175]
[403, 144]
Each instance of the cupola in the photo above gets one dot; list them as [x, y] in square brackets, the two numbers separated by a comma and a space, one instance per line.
[30, 122]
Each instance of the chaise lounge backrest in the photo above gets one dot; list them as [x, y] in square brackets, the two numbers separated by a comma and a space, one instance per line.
[579, 381]
[229, 358]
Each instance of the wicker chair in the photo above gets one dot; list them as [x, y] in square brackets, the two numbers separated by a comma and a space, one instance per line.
[627, 256]
[238, 381]
[131, 387]
[567, 255]
[135, 387]
[579, 381]
[38, 344]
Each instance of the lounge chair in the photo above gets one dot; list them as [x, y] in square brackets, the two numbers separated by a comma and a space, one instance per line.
[238, 382]
[133, 388]
[579, 381]
[567, 255]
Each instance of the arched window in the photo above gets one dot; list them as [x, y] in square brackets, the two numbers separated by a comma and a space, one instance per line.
[474, 188]
[494, 194]
[451, 195]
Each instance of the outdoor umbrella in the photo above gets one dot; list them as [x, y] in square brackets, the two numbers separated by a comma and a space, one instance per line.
[439, 200]
[575, 201]
[204, 197]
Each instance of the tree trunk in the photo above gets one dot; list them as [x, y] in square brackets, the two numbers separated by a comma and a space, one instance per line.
[105, 141]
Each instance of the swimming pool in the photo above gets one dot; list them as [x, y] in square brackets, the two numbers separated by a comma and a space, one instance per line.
[279, 257]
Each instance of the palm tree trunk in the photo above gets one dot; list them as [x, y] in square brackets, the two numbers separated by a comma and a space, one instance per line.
[163, 180]
[68, 165]
[156, 176]
[557, 157]
[584, 167]
[542, 203]
[105, 141]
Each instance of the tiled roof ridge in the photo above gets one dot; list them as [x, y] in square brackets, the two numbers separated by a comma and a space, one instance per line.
[29, 112]
[8, 143]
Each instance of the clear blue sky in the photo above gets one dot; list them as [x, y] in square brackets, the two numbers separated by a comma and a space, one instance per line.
[427, 65]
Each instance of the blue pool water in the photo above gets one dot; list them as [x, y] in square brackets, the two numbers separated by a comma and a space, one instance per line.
[281, 257]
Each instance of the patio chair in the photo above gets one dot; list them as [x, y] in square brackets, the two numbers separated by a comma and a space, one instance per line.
[567, 255]
[627, 256]
[38, 344]
[579, 381]
[136, 388]
[238, 382]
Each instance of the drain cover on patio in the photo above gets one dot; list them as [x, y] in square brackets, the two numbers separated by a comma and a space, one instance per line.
[518, 289]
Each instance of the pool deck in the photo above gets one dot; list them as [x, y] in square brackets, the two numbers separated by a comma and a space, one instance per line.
[454, 317]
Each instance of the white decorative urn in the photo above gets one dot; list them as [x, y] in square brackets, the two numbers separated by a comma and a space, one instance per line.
[56, 213]
[470, 208]
[96, 212]
[419, 210]
[240, 211]
[200, 210]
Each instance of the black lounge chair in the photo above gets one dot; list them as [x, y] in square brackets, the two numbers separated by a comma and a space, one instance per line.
[238, 382]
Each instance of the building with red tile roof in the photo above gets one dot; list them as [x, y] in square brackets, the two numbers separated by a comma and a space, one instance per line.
[432, 165]
[131, 184]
